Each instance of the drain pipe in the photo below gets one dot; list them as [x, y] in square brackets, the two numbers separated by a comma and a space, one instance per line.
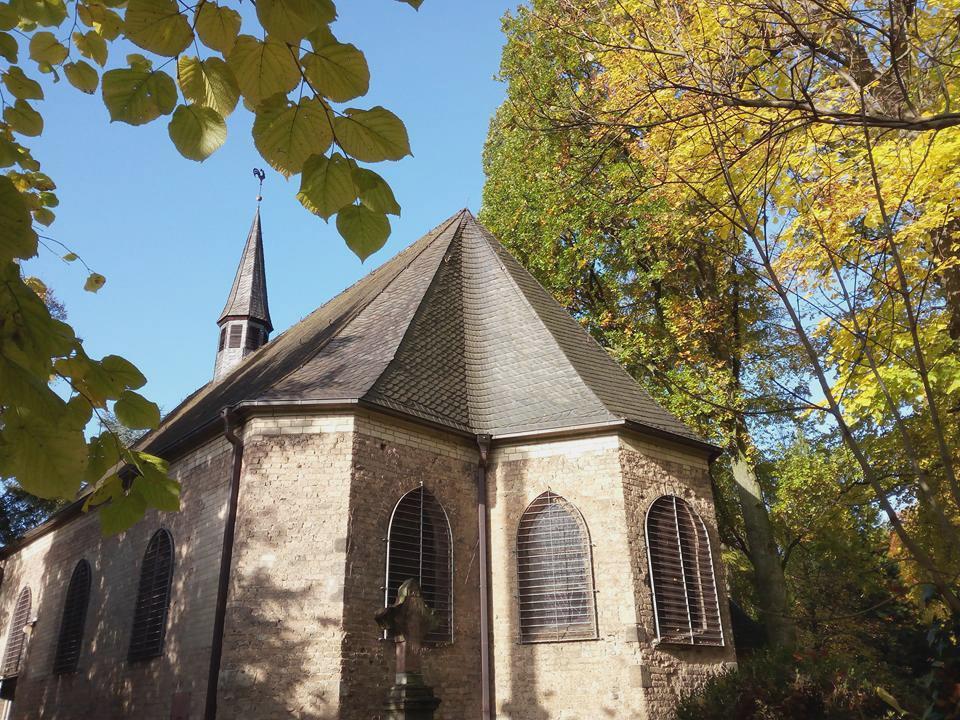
[226, 557]
[483, 443]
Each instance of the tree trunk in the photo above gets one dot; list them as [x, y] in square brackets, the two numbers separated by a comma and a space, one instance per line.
[768, 578]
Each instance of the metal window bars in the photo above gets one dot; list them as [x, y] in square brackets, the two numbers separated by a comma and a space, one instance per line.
[70, 639]
[153, 598]
[554, 573]
[16, 639]
[419, 546]
[685, 599]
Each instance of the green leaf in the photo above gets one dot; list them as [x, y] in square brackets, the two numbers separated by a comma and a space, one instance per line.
[161, 492]
[337, 70]
[48, 13]
[209, 82]
[23, 119]
[292, 20]
[45, 48]
[104, 21]
[372, 135]
[374, 191]
[94, 282]
[44, 216]
[70, 257]
[197, 131]
[158, 26]
[47, 457]
[364, 230]
[217, 26]
[17, 238]
[415, 4]
[102, 454]
[9, 17]
[123, 512]
[8, 47]
[91, 45]
[138, 96]
[263, 69]
[82, 76]
[326, 185]
[287, 136]
[134, 411]
[21, 86]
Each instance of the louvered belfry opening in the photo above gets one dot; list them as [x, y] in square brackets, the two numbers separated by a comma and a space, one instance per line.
[153, 598]
[418, 546]
[70, 639]
[16, 639]
[681, 567]
[555, 575]
[236, 334]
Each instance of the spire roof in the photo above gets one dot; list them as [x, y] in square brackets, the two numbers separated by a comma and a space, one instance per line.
[248, 296]
[453, 330]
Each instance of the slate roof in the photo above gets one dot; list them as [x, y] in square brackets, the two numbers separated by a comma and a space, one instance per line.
[453, 330]
[248, 296]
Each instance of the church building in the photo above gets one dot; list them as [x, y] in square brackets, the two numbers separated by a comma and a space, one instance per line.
[443, 419]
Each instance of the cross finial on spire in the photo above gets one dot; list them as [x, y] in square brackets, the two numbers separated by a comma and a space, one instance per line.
[261, 176]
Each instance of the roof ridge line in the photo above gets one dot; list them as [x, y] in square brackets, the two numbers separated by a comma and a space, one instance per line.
[350, 317]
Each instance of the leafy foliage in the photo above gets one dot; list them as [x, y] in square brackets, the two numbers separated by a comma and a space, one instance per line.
[50, 388]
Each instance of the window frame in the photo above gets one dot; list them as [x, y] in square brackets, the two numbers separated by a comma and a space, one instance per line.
[529, 636]
[17, 628]
[135, 655]
[64, 663]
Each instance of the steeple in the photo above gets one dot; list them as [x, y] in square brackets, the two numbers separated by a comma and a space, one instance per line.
[245, 321]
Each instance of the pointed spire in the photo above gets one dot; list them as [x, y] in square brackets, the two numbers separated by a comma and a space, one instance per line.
[248, 296]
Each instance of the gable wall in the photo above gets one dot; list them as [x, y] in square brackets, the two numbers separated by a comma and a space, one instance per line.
[106, 686]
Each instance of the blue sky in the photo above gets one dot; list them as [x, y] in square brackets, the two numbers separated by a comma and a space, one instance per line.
[167, 232]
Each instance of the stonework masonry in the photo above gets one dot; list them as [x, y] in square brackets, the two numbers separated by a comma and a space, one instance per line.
[316, 495]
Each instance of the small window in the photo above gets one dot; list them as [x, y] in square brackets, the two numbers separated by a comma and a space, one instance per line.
[686, 607]
[16, 638]
[236, 333]
[418, 547]
[70, 640]
[223, 338]
[153, 598]
[253, 338]
[555, 576]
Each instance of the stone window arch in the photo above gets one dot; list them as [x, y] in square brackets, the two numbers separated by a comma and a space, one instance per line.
[685, 601]
[419, 546]
[153, 598]
[70, 639]
[554, 573]
[16, 637]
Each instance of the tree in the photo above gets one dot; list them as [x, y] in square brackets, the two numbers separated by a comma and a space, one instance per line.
[648, 280]
[835, 194]
[293, 79]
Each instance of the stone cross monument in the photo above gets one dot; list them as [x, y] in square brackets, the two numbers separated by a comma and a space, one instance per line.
[407, 622]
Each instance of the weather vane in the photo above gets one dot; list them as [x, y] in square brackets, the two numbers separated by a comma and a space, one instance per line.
[259, 175]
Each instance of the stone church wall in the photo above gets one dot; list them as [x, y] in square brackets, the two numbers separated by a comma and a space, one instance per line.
[652, 469]
[390, 459]
[106, 686]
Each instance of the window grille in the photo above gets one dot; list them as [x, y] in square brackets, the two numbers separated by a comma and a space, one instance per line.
[253, 338]
[555, 575]
[223, 338]
[16, 639]
[419, 546]
[686, 607]
[153, 598]
[70, 639]
[236, 333]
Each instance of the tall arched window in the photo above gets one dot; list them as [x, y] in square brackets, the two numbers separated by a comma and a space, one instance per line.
[153, 598]
[16, 640]
[685, 602]
[70, 639]
[418, 546]
[555, 573]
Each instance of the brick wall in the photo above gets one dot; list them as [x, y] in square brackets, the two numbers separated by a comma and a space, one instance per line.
[106, 686]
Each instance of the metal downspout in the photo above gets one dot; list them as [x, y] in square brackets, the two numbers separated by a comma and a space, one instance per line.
[486, 713]
[226, 557]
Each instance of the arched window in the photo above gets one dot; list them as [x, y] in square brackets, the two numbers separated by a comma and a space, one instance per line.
[685, 602]
[71, 623]
[555, 575]
[153, 598]
[16, 639]
[418, 546]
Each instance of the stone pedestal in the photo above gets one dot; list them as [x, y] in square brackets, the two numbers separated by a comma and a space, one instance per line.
[410, 698]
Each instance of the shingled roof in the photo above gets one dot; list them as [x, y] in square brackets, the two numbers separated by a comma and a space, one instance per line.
[454, 331]
[248, 296]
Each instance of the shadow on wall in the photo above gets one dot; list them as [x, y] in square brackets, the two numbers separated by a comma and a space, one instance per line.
[276, 633]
